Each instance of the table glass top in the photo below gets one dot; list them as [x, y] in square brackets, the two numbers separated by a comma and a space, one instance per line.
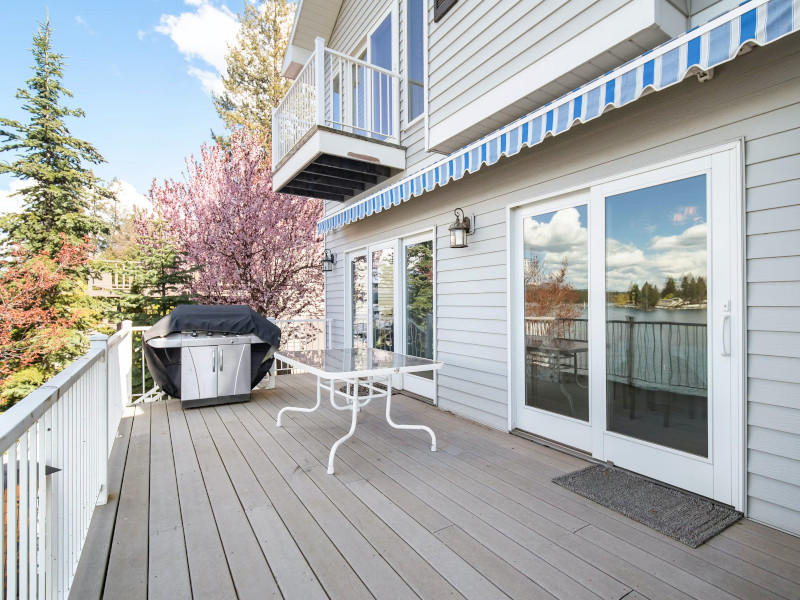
[350, 360]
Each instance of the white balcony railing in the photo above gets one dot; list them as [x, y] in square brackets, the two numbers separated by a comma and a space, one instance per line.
[357, 98]
[55, 446]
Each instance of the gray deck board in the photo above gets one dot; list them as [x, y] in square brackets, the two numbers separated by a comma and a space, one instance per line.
[512, 541]
[91, 573]
[126, 576]
[219, 503]
[168, 570]
[292, 573]
[208, 567]
[251, 574]
[415, 571]
[333, 572]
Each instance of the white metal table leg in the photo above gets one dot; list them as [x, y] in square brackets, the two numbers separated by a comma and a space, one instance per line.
[397, 425]
[298, 409]
[354, 405]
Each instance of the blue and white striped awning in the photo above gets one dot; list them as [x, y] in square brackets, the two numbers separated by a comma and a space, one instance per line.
[757, 22]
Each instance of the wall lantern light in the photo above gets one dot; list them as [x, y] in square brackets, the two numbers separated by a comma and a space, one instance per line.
[459, 230]
[328, 260]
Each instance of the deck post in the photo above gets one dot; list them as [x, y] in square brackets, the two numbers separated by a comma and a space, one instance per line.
[100, 342]
[319, 72]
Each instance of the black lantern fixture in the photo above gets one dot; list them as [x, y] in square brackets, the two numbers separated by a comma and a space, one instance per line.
[459, 230]
[328, 260]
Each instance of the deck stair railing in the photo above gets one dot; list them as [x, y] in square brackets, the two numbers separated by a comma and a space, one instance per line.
[55, 446]
[341, 92]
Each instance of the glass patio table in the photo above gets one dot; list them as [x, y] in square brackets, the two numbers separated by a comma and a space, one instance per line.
[356, 368]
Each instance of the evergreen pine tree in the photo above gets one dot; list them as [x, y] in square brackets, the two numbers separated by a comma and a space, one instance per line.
[670, 289]
[634, 294]
[160, 275]
[254, 83]
[62, 196]
[702, 290]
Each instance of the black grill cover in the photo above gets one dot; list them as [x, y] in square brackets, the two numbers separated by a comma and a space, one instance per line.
[165, 363]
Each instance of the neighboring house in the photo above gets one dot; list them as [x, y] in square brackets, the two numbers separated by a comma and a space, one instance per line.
[558, 318]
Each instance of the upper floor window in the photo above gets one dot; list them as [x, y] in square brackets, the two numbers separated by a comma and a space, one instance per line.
[440, 7]
[415, 43]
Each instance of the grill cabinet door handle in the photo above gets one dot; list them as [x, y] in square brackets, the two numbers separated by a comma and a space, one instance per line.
[221, 354]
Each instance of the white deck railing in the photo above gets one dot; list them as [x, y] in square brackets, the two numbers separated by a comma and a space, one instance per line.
[55, 446]
[356, 97]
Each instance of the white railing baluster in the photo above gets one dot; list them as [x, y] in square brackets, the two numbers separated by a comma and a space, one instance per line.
[22, 543]
[42, 523]
[11, 523]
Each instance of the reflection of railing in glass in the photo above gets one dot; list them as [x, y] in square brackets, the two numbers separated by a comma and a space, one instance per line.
[419, 339]
[659, 355]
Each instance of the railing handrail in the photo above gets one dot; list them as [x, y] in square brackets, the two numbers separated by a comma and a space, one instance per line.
[20, 417]
[363, 63]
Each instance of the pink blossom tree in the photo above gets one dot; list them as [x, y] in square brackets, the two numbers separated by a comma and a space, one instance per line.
[249, 245]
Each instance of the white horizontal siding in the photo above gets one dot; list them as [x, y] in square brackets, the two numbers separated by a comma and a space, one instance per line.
[757, 98]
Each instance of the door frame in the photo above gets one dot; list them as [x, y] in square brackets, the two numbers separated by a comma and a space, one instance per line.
[731, 157]
[568, 430]
[408, 240]
[398, 243]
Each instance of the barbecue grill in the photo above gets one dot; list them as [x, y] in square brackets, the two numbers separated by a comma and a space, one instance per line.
[207, 355]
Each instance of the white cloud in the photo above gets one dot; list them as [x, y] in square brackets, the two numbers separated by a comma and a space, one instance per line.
[559, 238]
[210, 81]
[141, 34]
[666, 256]
[694, 238]
[128, 197]
[9, 203]
[79, 20]
[202, 34]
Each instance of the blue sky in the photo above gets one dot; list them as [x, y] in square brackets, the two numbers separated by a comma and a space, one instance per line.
[141, 69]
[662, 210]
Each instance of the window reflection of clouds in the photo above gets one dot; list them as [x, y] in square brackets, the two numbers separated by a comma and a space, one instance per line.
[642, 242]
[559, 235]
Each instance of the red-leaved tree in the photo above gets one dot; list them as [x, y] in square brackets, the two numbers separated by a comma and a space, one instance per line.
[549, 296]
[38, 323]
[249, 244]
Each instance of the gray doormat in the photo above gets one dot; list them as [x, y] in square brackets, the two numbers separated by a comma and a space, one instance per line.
[681, 516]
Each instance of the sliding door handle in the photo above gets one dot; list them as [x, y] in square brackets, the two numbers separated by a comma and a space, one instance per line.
[726, 342]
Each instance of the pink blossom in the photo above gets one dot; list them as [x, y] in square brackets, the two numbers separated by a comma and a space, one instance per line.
[251, 245]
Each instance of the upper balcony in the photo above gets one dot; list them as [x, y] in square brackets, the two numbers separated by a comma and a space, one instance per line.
[336, 132]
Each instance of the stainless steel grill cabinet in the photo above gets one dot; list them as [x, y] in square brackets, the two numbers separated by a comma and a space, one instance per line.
[209, 355]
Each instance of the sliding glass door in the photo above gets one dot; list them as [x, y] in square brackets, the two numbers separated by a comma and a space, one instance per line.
[624, 323]
[390, 303]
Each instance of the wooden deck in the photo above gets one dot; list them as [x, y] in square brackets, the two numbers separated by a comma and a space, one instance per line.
[219, 503]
